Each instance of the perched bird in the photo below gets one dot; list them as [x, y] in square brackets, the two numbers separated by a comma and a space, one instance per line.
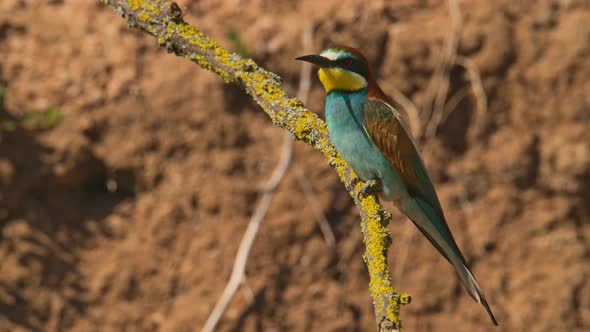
[372, 137]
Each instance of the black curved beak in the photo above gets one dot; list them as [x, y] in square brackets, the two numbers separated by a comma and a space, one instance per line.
[317, 60]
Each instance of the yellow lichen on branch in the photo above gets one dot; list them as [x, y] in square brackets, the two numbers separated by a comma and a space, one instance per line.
[162, 20]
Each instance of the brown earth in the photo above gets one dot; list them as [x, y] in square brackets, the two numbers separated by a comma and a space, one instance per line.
[127, 215]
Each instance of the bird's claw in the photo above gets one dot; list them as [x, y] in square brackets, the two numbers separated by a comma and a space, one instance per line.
[370, 187]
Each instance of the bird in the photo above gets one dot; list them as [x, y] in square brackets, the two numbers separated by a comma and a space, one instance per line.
[373, 138]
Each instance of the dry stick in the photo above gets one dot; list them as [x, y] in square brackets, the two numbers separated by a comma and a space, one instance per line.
[322, 221]
[247, 291]
[239, 268]
[442, 110]
[475, 86]
[435, 100]
[479, 93]
[454, 102]
[163, 19]
[411, 111]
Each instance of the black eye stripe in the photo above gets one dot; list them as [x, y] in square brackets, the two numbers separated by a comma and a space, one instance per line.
[354, 65]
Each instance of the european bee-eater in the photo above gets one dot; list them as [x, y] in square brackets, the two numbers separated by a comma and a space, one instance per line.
[372, 137]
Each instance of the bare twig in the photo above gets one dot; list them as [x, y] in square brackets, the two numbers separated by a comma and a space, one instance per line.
[247, 291]
[481, 100]
[239, 266]
[438, 87]
[437, 99]
[454, 101]
[476, 88]
[411, 110]
[158, 19]
[321, 219]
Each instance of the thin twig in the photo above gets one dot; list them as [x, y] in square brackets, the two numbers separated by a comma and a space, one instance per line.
[239, 266]
[438, 87]
[443, 108]
[411, 110]
[321, 219]
[454, 102]
[247, 291]
[481, 100]
[475, 86]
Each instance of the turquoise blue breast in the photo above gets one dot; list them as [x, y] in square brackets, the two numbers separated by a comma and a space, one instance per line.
[344, 115]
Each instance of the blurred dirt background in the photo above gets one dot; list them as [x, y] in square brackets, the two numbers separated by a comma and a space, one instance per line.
[124, 199]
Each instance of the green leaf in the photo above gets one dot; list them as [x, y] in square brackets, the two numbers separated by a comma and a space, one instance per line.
[47, 119]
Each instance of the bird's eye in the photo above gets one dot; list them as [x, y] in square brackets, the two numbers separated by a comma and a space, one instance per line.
[348, 63]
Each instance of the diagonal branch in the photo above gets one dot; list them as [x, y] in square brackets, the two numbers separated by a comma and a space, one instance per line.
[163, 19]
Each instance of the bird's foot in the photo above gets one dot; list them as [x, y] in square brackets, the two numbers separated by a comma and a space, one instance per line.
[369, 188]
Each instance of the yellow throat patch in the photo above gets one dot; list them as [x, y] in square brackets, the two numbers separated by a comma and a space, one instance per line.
[339, 79]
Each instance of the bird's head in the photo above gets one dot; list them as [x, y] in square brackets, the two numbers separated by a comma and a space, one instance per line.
[341, 69]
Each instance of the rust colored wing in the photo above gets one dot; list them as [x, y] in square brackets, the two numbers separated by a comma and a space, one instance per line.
[386, 129]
